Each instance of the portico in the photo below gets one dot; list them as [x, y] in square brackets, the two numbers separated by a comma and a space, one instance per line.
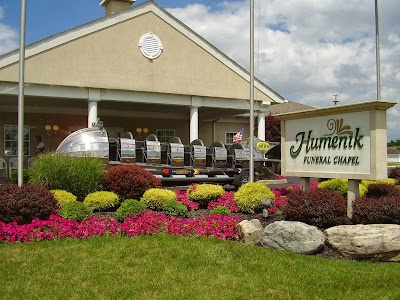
[100, 69]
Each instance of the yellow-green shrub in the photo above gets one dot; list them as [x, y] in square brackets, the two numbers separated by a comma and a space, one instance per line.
[204, 193]
[366, 183]
[155, 198]
[63, 197]
[250, 195]
[341, 186]
[101, 200]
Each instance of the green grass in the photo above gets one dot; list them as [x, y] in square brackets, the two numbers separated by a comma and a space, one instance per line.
[393, 164]
[165, 267]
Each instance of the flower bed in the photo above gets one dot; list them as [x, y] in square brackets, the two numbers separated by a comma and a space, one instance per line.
[56, 227]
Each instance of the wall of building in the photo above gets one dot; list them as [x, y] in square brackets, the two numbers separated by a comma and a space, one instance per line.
[111, 59]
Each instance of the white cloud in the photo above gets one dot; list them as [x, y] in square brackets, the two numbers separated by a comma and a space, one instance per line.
[8, 36]
[309, 50]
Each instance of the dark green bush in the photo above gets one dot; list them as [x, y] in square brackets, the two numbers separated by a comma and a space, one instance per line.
[75, 210]
[378, 190]
[23, 204]
[174, 208]
[26, 176]
[129, 208]
[221, 210]
[77, 175]
[319, 207]
[129, 182]
[383, 210]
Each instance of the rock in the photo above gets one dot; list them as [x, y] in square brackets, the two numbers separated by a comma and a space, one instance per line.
[250, 231]
[294, 237]
[379, 242]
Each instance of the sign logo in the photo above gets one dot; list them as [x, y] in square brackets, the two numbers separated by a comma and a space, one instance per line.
[263, 146]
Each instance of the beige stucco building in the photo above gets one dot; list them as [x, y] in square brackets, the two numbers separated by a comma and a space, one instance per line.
[139, 69]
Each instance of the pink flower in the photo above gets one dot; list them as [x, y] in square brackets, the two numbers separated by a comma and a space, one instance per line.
[227, 200]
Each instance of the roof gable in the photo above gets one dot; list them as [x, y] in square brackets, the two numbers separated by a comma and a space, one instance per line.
[135, 13]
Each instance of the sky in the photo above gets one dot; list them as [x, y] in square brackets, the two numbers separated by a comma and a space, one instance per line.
[306, 50]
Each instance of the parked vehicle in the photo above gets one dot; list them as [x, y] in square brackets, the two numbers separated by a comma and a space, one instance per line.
[173, 162]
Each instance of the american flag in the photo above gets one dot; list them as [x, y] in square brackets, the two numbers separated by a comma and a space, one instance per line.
[238, 136]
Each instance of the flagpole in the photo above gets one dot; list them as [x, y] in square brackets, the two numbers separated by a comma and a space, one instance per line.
[378, 62]
[21, 94]
[251, 132]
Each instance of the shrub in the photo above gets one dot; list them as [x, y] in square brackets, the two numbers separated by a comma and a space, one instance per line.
[319, 207]
[155, 198]
[395, 174]
[100, 201]
[221, 210]
[340, 186]
[23, 204]
[26, 176]
[204, 193]
[77, 175]
[75, 211]
[129, 182]
[63, 197]
[129, 208]
[383, 210]
[390, 181]
[174, 208]
[250, 195]
[377, 190]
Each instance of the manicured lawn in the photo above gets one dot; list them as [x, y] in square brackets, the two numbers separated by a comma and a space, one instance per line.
[170, 267]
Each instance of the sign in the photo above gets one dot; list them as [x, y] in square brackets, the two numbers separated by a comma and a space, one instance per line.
[336, 143]
[346, 141]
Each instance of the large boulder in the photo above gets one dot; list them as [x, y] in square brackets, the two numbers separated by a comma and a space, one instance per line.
[250, 231]
[294, 237]
[379, 242]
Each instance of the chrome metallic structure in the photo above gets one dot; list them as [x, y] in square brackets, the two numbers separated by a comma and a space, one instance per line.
[86, 142]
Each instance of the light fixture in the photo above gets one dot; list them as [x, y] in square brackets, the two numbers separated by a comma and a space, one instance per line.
[140, 130]
[50, 130]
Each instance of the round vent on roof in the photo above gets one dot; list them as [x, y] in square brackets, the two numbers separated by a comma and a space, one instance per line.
[150, 45]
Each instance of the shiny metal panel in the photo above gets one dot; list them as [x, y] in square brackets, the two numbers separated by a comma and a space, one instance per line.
[91, 142]
[127, 150]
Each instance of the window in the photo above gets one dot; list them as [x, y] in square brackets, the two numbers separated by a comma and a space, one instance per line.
[11, 140]
[229, 138]
[164, 135]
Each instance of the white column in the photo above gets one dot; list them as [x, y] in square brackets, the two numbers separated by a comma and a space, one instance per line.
[264, 105]
[92, 116]
[194, 118]
[93, 99]
[194, 123]
[261, 125]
